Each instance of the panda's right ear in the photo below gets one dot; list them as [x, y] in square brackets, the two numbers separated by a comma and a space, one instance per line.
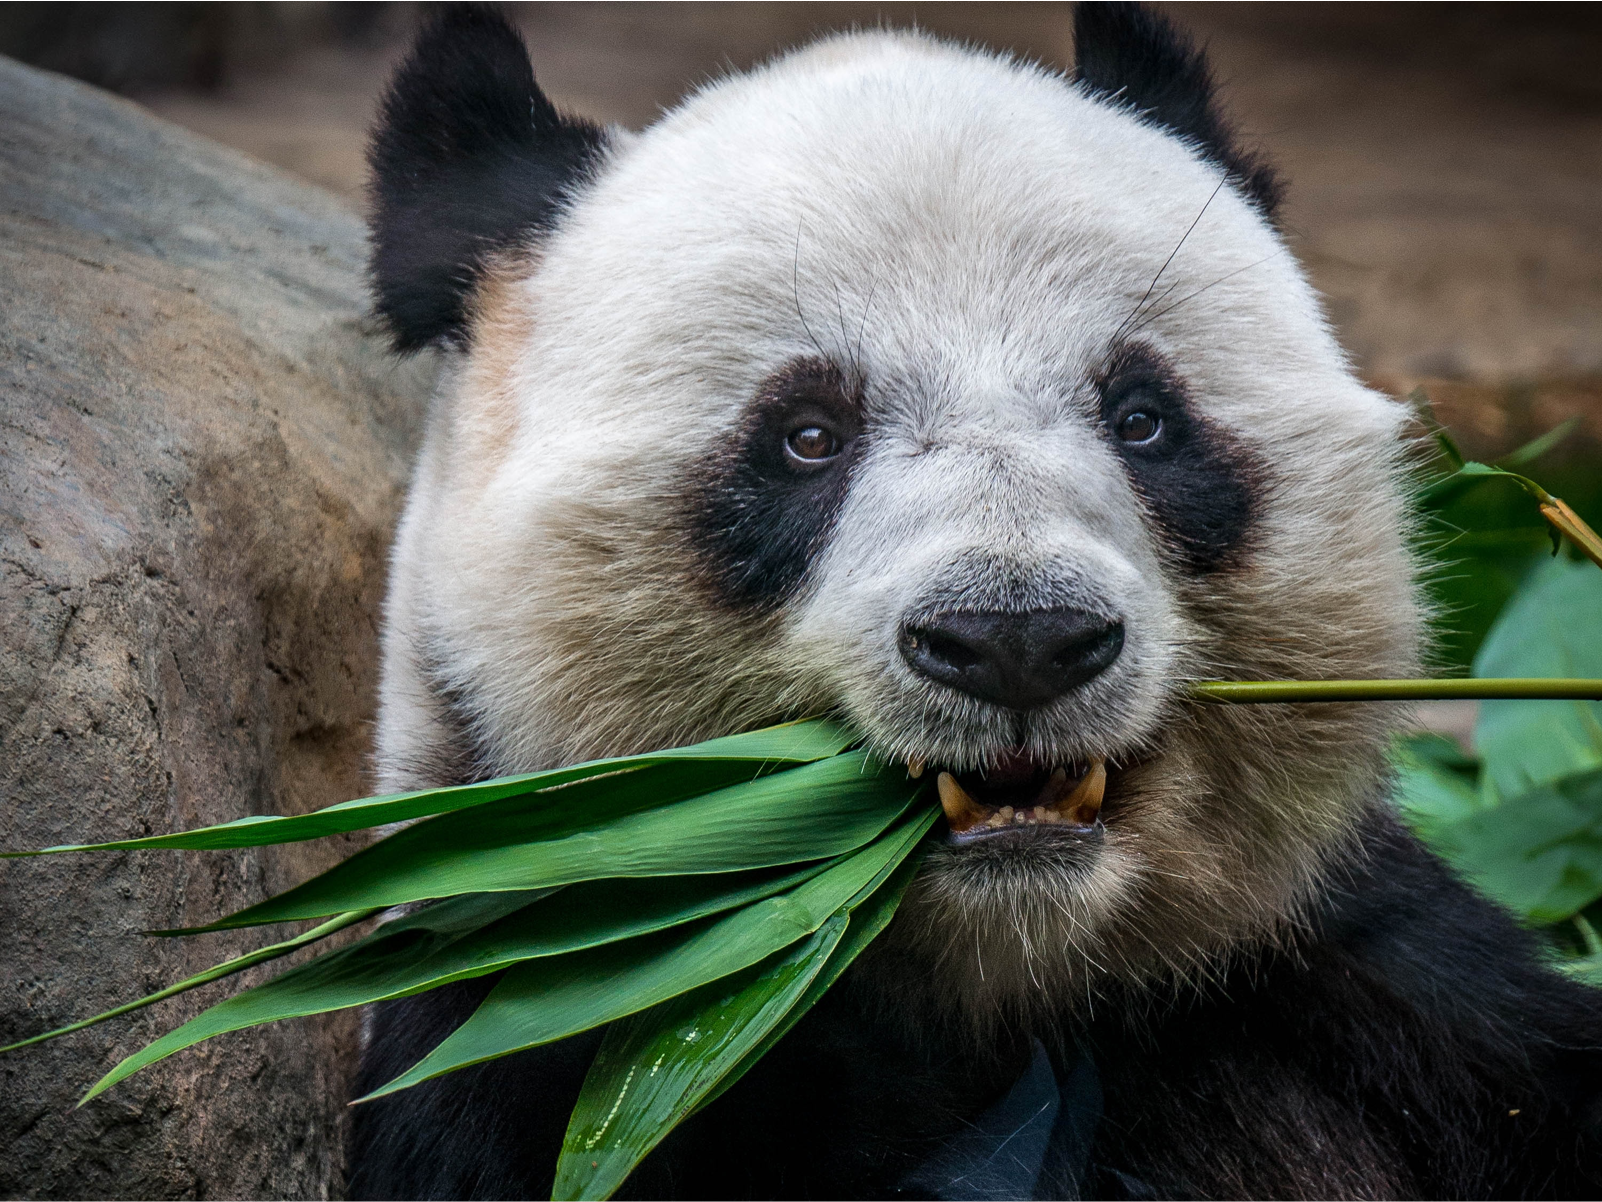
[469, 158]
[1132, 56]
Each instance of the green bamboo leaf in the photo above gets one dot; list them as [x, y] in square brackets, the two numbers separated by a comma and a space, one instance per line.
[656, 1067]
[812, 812]
[869, 917]
[1480, 547]
[643, 1083]
[216, 973]
[464, 937]
[525, 818]
[1449, 448]
[1536, 447]
[551, 999]
[743, 755]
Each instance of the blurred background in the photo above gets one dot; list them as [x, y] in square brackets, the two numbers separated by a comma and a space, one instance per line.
[1444, 160]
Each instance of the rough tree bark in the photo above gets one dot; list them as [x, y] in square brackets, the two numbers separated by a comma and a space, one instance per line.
[203, 448]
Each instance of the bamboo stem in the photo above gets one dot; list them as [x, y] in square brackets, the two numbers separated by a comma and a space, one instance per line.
[1397, 690]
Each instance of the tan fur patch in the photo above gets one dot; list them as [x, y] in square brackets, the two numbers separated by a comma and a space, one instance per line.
[485, 414]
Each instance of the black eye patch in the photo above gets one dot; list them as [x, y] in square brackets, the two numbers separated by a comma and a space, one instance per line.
[1200, 484]
[762, 505]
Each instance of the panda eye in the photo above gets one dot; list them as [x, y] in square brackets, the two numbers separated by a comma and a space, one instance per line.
[812, 444]
[1139, 426]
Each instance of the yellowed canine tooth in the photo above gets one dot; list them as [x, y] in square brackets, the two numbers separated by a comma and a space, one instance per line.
[961, 810]
[1084, 804]
[915, 767]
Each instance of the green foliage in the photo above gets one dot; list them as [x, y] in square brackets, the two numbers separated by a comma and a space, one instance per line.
[468, 936]
[1553, 627]
[1523, 819]
[546, 1000]
[723, 886]
[1483, 535]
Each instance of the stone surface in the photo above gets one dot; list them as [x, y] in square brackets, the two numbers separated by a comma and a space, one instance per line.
[203, 448]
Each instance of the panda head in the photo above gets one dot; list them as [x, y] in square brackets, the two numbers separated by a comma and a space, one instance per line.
[980, 406]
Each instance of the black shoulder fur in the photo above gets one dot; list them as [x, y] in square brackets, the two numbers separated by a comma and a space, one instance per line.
[1130, 55]
[1413, 1044]
[469, 157]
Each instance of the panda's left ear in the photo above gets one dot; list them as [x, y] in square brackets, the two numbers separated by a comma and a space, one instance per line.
[1129, 55]
[469, 158]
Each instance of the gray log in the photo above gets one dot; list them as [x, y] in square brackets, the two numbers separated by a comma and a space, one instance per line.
[203, 448]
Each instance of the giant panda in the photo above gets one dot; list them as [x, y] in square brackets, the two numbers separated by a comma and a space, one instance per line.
[981, 406]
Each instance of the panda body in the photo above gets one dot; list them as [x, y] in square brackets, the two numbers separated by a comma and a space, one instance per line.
[981, 407]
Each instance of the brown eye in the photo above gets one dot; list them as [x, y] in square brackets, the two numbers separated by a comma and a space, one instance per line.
[1139, 426]
[812, 443]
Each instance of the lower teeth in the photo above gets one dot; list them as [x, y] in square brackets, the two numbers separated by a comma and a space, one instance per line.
[1057, 805]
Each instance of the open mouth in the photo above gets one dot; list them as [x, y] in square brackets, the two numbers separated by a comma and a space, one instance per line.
[1019, 794]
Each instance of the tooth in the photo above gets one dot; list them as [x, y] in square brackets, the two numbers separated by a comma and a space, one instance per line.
[961, 810]
[1084, 805]
[915, 767]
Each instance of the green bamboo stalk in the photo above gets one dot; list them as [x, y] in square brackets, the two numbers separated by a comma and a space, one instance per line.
[1523, 689]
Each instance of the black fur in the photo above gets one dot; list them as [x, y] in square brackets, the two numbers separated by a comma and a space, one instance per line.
[1413, 1044]
[1417, 1048]
[469, 158]
[1130, 55]
[756, 517]
[1202, 488]
[488, 1135]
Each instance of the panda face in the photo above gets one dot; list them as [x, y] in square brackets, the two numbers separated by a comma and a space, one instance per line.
[919, 387]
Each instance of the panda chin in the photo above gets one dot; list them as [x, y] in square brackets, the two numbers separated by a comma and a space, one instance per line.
[1019, 801]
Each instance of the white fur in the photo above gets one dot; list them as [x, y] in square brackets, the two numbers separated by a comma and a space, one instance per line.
[967, 233]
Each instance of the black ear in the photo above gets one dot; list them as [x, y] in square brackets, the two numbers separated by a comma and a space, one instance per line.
[1130, 55]
[469, 157]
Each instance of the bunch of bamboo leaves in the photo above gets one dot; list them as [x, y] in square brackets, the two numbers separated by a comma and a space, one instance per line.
[697, 901]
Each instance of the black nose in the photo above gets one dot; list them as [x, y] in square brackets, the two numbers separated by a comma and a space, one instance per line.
[1019, 660]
